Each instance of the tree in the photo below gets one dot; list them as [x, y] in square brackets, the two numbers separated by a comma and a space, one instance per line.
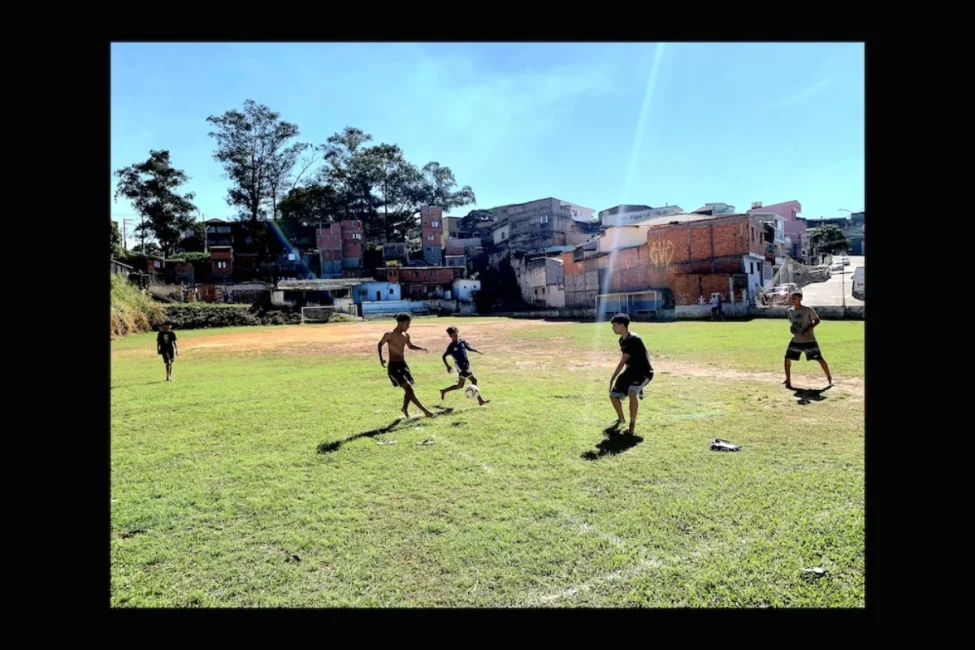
[438, 187]
[829, 240]
[116, 241]
[309, 204]
[400, 187]
[252, 147]
[152, 187]
[280, 173]
[349, 173]
[142, 250]
[194, 239]
[378, 186]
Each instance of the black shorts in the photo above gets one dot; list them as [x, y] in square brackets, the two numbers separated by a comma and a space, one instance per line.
[399, 373]
[796, 350]
[631, 381]
[465, 373]
[168, 356]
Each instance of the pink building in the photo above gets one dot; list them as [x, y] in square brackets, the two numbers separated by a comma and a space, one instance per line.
[795, 229]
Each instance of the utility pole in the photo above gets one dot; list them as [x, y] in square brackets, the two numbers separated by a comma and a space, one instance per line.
[126, 225]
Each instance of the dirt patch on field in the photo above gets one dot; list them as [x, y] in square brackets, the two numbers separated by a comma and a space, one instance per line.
[493, 337]
[360, 338]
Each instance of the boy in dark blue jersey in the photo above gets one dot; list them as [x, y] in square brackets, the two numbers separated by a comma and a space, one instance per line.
[638, 373]
[458, 350]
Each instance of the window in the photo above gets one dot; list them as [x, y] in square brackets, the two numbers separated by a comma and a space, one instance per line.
[544, 219]
[221, 264]
[390, 292]
[435, 224]
[429, 237]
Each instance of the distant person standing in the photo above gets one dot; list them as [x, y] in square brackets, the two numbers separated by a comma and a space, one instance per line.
[715, 306]
[167, 348]
[802, 321]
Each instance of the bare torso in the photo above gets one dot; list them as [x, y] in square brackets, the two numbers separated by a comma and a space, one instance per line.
[397, 342]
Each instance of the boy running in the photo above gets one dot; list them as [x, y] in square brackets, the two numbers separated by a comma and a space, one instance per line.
[399, 372]
[166, 346]
[803, 320]
[638, 371]
[458, 350]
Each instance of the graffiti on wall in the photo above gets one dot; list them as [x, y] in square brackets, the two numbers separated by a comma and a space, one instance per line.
[662, 252]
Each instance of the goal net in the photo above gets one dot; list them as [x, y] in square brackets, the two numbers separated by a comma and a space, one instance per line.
[317, 314]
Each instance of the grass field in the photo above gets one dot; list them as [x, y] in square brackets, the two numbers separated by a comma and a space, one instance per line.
[256, 478]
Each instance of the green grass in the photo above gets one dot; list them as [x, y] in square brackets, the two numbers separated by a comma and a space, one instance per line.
[253, 456]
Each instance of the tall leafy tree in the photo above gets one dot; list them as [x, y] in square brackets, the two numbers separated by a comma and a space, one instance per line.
[349, 173]
[255, 149]
[398, 186]
[829, 240]
[309, 204]
[439, 188]
[153, 188]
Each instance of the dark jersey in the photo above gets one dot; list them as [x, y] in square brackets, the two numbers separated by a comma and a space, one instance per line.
[458, 351]
[166, 340]
[639, 358]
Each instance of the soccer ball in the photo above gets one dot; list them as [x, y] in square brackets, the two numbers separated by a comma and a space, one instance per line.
[471, 392]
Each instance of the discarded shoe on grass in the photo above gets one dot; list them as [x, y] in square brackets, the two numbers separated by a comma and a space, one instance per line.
[723, 445]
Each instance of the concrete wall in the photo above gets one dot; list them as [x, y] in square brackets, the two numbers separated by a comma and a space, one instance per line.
[387, 291]
[463, 290]
[392, 307]
[622, 237]
[501, 234]
[568, 314]
[433, 254]
[856, 312]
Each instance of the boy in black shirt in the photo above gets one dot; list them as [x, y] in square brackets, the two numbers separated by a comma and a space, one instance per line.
[458, 350]
[166, 346]
[638, 371]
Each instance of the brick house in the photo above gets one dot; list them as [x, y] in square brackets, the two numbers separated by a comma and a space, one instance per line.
[689, 256]
[431, 235]
[341, 248]
[419, 282]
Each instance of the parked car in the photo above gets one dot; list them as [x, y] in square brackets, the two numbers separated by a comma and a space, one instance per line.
[837, 266]
[845, 260]
[780, 294]
[859, 283]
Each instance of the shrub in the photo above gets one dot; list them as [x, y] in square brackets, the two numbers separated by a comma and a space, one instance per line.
[208, 315]
[131, 311]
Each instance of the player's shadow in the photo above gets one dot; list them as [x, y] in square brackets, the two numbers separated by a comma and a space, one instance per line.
[808, 395]
[615, 442]
[399, 424]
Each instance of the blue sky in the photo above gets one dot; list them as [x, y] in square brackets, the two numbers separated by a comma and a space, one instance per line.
[597, 124]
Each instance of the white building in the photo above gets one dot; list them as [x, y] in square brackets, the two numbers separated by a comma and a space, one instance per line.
[617, 237]
[465, 289]
[626, 215]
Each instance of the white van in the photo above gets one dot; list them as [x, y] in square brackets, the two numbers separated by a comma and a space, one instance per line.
[858, 283]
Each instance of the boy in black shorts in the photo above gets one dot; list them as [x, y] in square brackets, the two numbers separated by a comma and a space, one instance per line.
[458, 350]
[638, 371]
[167, 348]
[802, 321]
[399, 372]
